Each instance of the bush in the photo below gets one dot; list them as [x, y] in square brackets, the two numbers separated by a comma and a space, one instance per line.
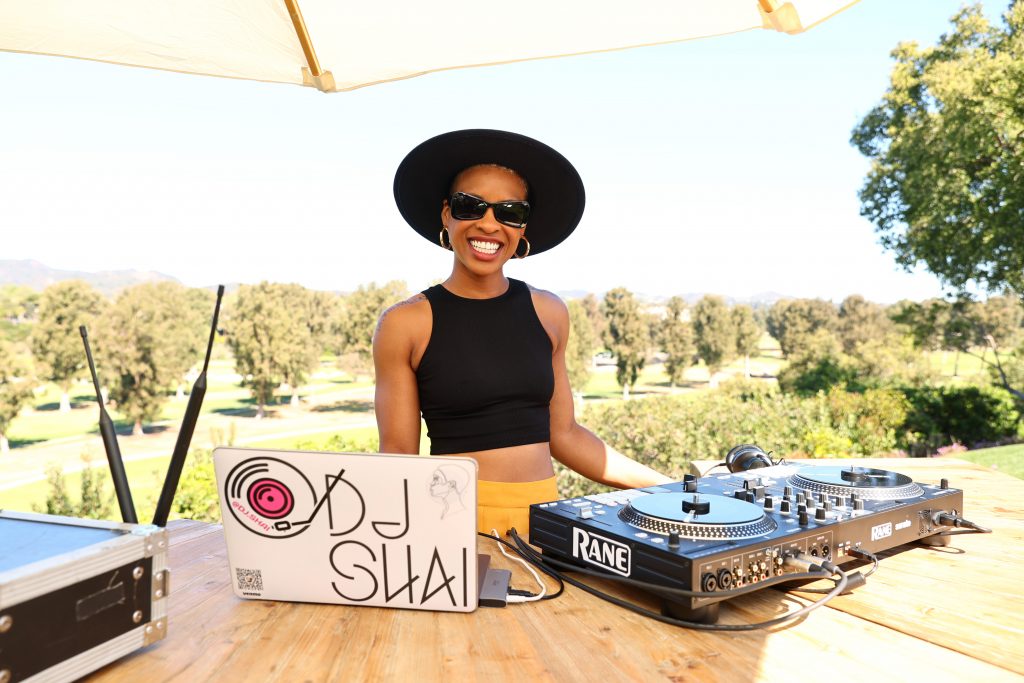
[91, 503]
[668, 432]
[197, 496]
[968, 415]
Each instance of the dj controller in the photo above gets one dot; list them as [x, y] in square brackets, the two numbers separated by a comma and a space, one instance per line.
[724, 531]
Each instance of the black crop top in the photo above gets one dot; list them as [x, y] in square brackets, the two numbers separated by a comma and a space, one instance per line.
[485, 379]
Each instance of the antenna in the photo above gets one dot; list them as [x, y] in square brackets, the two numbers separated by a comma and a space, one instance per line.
[188, 426]
[109, 436]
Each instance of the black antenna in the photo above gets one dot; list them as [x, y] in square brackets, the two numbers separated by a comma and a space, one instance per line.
[109, 436]
[188, 425]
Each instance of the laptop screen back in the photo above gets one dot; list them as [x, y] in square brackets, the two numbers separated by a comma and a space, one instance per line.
[350, 528]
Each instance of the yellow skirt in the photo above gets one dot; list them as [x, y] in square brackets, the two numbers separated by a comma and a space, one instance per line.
[503, 505]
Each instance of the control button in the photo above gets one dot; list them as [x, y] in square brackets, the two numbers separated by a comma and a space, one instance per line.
[690, 486]
[820, 515]
[787, 491]
[803, 517]
[657, 540]
[586, 513]
[828, 506]
[943, 483]
[640, 534]
[768, 503]
[858, 504]
[748, 484]
[784, 506]
[739, 494]
[673, 539]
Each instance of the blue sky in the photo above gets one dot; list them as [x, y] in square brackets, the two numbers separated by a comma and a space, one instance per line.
[720, 165]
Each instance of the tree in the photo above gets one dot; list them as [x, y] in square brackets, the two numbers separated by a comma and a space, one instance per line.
[18, 306]
[271, 340]
[792, 322]
[357, 319]
[627, 336]
[860, 321]
[676, 339]
[147, 340]
[946, 144]
[597, 322]
[15, 390]
[579, 353]
[56, 343]
[748, 334]
[716, 336]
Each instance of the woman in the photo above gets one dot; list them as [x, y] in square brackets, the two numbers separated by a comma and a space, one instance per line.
[481, 355]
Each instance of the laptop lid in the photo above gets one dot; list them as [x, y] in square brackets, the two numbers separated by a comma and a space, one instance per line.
[350, 528]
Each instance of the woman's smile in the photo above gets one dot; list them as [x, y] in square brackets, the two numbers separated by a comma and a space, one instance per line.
[484, 247]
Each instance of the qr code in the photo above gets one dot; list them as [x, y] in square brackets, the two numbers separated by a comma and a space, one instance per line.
[249, 580]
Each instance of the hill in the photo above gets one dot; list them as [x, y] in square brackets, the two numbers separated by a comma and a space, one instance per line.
[38, 276]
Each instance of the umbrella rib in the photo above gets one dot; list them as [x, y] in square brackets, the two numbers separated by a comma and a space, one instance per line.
[304, 40]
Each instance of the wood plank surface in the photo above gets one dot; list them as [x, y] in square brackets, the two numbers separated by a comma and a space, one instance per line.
[940, 615]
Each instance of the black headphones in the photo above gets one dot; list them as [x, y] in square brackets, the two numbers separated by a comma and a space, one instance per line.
[747, 456]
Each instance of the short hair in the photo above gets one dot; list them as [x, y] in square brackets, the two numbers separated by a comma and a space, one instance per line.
[517, 174]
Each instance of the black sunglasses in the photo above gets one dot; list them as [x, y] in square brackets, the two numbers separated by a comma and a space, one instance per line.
[467, 207]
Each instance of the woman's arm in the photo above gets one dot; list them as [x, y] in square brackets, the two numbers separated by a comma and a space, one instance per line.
[396, 397]
[571, 444]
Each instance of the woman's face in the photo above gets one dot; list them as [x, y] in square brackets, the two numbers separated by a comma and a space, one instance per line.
[484, 245]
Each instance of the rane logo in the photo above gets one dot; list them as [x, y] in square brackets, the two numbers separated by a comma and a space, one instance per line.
[601, 551]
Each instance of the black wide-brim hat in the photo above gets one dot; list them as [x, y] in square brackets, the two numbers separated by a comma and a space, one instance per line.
[556, 193]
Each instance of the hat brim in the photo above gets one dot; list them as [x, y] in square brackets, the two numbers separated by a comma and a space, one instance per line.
[556, 193]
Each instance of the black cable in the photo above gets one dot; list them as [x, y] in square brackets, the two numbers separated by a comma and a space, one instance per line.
[553, 574]
[865, 555]
[855, 579]
[840, 586]
[963, 526]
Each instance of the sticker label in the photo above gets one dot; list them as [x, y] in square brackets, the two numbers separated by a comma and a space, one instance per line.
[600, 551]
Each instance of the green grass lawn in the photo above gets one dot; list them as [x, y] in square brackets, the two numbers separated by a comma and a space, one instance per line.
[1008, 459]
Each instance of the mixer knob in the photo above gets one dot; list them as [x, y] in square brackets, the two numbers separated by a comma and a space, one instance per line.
[673, 539]
[748, 484]
[689, 477]
[801, 498]
[803, 517]
[759, 492]
[858, 504]
[827, 507]
[820, 515]
[690, 486]
[943, 483]
[822, 497]
[749, 496]
[739, 494]
[768, 503]
[787, 491]
[809, 502]
[784, 507]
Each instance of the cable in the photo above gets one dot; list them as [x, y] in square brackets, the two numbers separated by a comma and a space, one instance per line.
[865, 555]
[841, 584]
[518, 596]
[550, 572]
[943, 518]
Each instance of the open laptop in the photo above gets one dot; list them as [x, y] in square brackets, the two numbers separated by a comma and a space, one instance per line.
[351, 528]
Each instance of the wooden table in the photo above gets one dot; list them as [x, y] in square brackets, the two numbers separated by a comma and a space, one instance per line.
[953, 613]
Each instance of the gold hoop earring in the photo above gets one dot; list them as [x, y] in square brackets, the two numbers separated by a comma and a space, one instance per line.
[527, 253]
[440, 238]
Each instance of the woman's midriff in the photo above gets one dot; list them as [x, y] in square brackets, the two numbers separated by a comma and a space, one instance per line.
[530, 462]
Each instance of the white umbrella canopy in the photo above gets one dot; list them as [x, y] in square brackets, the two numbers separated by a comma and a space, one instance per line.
[341, 45]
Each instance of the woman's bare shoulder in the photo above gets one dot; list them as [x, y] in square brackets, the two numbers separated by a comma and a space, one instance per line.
[406, 318]
[548, 303]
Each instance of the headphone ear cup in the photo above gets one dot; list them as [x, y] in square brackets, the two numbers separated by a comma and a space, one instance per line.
[747, 456]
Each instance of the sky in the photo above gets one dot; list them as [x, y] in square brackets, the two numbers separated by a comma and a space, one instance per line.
[720, 165]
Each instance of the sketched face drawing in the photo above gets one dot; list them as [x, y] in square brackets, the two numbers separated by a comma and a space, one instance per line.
[447, 485]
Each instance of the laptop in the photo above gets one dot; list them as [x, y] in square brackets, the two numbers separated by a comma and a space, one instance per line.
[351, 528]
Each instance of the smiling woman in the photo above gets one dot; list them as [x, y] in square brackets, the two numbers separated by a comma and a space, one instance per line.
[482, 356]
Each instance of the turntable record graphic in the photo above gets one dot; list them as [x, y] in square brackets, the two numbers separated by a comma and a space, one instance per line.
[697, 516]
[270, 497]
[867, 482]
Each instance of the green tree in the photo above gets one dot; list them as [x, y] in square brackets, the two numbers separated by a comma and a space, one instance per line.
[594, 313]
[56, 343]
[15, 389]
[627, 336]
[579, 353]
[715, 334]
[748, 334]
[792, 322]
[147, 340]
[860, 321]
[676, 339]
[946, 144]
[357, 318]
[270, 338]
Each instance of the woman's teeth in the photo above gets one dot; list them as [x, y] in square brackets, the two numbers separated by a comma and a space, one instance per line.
[485, 247]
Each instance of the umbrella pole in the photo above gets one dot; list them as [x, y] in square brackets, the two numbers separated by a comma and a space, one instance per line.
[313, 75]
